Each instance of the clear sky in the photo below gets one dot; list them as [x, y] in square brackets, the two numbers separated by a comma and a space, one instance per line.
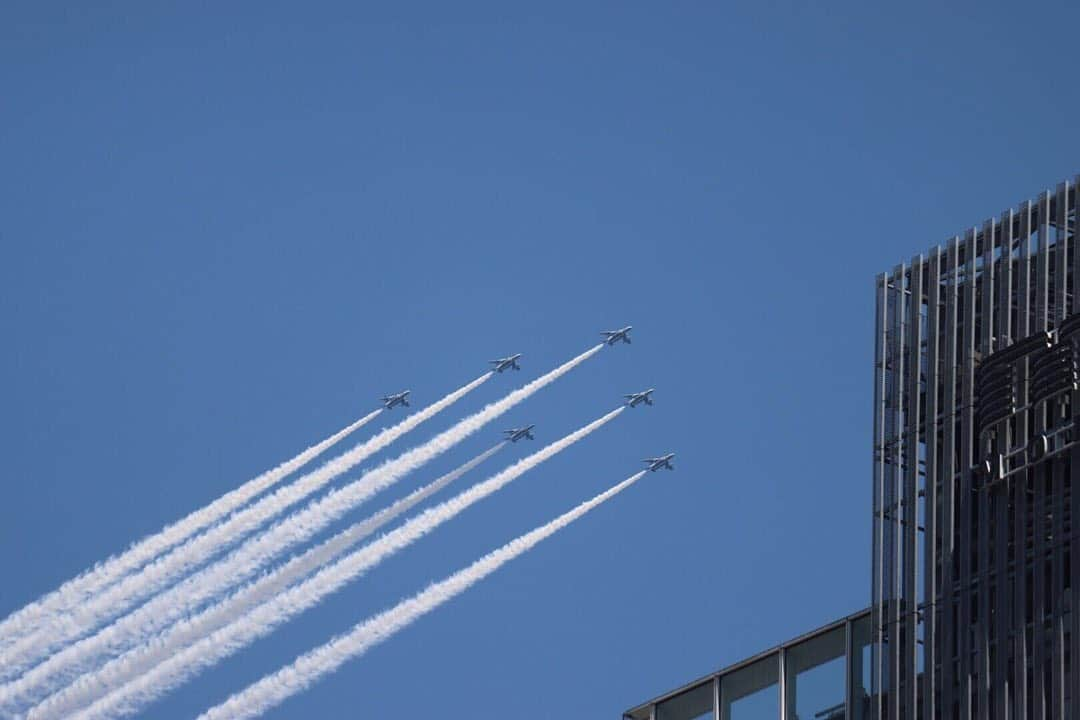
[226, 229]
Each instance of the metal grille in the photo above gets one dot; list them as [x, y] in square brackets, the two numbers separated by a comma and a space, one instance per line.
[975, 380]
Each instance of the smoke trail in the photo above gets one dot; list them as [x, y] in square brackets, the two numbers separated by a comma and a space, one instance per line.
[307, 669]
[189, 595]
[120, 670]
[262, 620]
[61, 628]
[77, 590]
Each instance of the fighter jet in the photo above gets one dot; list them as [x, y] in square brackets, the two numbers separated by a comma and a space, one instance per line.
[664, 461]
[515, 434]
[613, 336]
[640, 397]
[401, 398]
[506, 363]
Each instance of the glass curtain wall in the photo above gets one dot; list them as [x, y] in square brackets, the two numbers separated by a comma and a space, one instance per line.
[822, 676]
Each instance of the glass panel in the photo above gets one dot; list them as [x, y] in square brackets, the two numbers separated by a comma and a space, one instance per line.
[861, 667]
[693, 704]
[752, 693]
[815, 678]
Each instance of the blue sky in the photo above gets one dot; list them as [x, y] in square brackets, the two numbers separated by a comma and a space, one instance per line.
[224, 231]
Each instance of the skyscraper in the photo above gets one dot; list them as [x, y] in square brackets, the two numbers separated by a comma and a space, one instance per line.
[976, 442]
[975, 382]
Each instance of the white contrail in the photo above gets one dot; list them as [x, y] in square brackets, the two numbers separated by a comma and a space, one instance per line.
[60, 628]
[188, 596]
[309, 668]
[257, 622]
[77, 590]
[120, 670]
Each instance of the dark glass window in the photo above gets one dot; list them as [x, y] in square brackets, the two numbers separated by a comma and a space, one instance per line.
[815, 678]
[752, 692]
[694, 704]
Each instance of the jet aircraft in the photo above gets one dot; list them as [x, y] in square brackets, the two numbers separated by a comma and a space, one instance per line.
[506, 363]
[613, 336]
[664, 461]
[515, 434]
[401, 398]
[640, 397]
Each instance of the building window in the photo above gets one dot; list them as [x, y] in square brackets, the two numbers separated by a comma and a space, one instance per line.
[695, 704]
[753, 692]
[814, 687]
[861, 665]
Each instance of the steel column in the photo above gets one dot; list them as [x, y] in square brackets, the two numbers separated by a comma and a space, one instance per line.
[931, 590]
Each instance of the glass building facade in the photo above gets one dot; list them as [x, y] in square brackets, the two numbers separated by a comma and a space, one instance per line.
[976, 380]
[975, 441]
[824, 675]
